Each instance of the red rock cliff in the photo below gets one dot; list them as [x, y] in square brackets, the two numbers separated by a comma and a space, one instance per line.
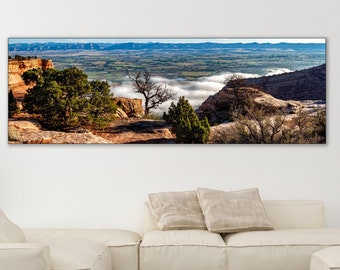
[17, 67]
[131, 106]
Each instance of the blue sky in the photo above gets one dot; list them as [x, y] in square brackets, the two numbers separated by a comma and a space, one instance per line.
[166, 40]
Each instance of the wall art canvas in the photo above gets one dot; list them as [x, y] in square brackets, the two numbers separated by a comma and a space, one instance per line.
[166, 91]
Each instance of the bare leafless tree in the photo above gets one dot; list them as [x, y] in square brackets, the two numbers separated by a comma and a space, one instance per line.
[235, 82]
[154, 93]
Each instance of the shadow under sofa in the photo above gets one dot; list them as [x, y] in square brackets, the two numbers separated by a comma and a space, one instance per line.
[298, 233]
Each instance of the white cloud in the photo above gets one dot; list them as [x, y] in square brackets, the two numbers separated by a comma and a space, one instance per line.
[277, 71]
[195, 91]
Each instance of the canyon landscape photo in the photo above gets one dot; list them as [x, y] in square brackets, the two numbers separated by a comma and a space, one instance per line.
[166, 91]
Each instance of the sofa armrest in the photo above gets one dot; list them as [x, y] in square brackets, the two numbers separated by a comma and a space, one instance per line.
[24, 256]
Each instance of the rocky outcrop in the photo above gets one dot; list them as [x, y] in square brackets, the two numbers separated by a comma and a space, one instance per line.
[30, 132]
[217, 108]
[141, 131]
[278, 92]
[20, 66]
[17, 67]
[127, 131]
[307, 84]
[132, 107]
[120, 114]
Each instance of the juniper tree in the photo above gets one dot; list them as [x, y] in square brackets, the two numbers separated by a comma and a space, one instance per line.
[65, 98]
[185, 123]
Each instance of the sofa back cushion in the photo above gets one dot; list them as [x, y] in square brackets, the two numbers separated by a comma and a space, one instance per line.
[9, 232]
[283, 214]
[295, 214]
[177, 210]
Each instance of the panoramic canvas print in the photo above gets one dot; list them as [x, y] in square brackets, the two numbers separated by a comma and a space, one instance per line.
[166, 91]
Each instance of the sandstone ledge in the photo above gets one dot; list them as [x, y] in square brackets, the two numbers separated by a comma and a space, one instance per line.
[29, 132]
[217, 107]
[128, 131]
[138, 131]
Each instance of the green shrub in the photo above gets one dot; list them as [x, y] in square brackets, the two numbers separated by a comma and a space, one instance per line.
[65, 98]
[185, 123]
[12, 104]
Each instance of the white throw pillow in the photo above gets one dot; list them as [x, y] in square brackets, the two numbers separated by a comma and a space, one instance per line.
[177, 210]
[234, 211]
[9, 232]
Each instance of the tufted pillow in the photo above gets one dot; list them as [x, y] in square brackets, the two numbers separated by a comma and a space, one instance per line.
[9, 232]
[234, 211]
[177, 210]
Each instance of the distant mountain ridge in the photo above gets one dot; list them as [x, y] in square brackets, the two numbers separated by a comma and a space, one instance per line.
[164, 46]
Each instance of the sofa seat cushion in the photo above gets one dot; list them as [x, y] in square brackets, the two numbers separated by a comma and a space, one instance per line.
[326, 259]
[24, 256]
[123, 244]
[78, 254]
[173, 250]
[266, 250]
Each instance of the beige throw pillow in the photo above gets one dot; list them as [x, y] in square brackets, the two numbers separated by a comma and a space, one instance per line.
[235, 211]
[177, 210]
[9, 232]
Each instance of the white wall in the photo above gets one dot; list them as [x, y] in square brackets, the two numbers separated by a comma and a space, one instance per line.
[105, 186]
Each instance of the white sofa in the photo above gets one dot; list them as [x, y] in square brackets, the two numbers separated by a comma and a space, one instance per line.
[299, 241]
[298, 233]
[67, 249]
[326, 259]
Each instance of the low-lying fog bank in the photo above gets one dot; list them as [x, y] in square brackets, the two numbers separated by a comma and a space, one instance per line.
[195, 91]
